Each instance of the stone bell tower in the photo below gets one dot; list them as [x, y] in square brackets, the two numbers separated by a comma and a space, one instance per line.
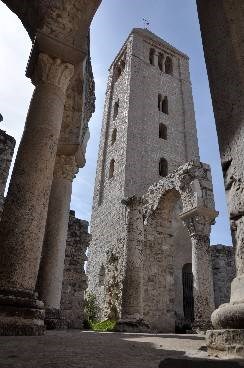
[148, 131]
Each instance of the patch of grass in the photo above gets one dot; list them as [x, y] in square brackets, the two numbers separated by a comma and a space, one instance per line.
[107, 325]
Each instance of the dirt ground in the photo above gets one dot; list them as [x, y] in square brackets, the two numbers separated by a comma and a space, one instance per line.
[76, 349]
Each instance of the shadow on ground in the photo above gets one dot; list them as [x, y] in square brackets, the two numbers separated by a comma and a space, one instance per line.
[75, 349]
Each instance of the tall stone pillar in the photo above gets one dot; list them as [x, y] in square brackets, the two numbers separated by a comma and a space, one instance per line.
[132, 294]
[222, 29]
[50, 276]
[25, 211]
[199, 226]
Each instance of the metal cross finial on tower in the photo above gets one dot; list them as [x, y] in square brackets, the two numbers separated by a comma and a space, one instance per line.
[145, 23]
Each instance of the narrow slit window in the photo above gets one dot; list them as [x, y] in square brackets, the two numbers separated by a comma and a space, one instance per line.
[163, 167]
[116, 109]
[165, 105]
[111, 168]
[168, 65]
[152, 56]
[162, 131]
[114, 136]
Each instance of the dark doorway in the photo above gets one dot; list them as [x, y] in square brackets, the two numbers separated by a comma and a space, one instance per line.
[188, 301]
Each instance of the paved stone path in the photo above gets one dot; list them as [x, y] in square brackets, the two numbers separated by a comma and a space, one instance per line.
[76, 349]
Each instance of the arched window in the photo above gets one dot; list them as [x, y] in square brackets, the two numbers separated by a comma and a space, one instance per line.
[159, 102]
[163, 167]
[160, 61]
[101, 276]
[111, 168]
[116, 109]
[151, 56]
[114, 136]
[168, 65]
[165, 105]
[162, 131]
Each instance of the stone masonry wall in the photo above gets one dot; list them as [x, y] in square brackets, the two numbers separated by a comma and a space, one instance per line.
[136, 150]
[74, 278]
[223, 261]
[7, 144]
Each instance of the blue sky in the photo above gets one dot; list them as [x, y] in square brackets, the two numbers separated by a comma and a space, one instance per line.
[175, 21]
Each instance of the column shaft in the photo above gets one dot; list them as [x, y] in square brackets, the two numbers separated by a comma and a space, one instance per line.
[132, 287]
[24, 216]
[198, 225]
[50, 276]
[202, 281]
[222, 29]
[132, 294]
[25, 211]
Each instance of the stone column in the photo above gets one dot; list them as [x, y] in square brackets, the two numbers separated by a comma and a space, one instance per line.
[50, 276]
[199, 227]
[132, 293]
[222, 29]
[25, 211]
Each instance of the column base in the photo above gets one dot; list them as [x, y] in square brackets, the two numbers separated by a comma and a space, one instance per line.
[129, 325]
[54, 319]
[21, 313]
[201, 326]
[226, 343]
[229, 316]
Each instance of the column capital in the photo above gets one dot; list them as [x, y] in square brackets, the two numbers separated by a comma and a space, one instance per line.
[52, 71]
[198, 225]
[198, 221]
[65, 167]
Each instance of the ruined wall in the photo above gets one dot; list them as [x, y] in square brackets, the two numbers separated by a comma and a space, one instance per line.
[74, 278]
[223, 261]
[7, 144]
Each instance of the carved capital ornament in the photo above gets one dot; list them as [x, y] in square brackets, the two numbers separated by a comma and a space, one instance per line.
[53, 71]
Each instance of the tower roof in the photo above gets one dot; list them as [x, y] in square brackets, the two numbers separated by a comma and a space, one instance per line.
[145, 33]
[150, 36]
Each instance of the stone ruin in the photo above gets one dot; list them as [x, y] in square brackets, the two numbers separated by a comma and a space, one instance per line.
[53, 142]
[74, 278]
[74, 284]
[150, 262]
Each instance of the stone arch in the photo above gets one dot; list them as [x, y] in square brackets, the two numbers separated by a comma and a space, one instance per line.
[159, 264]
[184, 193]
